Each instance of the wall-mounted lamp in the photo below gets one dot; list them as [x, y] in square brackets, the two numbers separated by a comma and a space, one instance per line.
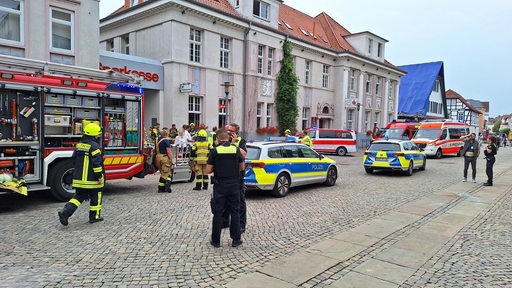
[182, 11]
[254, 33]
[281, 41]
[358, 105]
[214, 22]
[301, 50]
[323, 56]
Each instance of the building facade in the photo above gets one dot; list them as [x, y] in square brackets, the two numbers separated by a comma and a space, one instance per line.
[221, 59]
[460, 110]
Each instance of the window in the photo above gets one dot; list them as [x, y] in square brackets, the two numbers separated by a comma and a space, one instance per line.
[391, 90]
[436, 86]
[270, 61]
[377, 85]
[260, 9]
[307, 73]
[222, 113]
[368, 88]
[379, 50]
[350, 119]
[110, 45]
[126, 44]
[259, 114]
[305, 118]
[62, 28]
[370, 46]
[194, 109]
[224, 52]
[377, 118]
[460, 116]
[260, 58]
[11, 15]
[269, 115]
[352, 80]
[195, 45]
[325, 76]
[237, 3]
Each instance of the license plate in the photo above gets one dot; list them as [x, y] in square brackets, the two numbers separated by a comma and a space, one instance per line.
[382, 159]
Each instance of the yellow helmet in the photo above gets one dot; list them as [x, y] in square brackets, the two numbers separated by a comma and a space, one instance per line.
[92, 129]
[287, 131]
[192, 124]
[202, 133]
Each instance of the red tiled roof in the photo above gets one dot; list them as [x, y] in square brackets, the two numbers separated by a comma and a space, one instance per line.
[222, 5]
[326, 32]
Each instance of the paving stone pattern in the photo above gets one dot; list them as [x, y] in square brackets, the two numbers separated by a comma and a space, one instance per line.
[161, 240]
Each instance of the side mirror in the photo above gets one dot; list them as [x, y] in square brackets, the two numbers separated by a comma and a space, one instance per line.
[321, 156]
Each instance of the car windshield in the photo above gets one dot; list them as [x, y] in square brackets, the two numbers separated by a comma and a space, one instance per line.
[427, 134]
[253, 153]
[394, 133]
[384, 147]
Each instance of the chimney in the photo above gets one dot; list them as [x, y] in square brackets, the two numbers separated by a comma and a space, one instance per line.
[314, 29]
[127, 3]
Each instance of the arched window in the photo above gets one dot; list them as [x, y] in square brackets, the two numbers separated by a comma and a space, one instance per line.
[325, 110]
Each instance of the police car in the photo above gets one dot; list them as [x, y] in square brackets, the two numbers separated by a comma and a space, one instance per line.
[277, 166]
[401, 155]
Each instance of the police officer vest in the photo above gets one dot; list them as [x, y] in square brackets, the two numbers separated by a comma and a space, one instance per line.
[202, 151]
[226, 162]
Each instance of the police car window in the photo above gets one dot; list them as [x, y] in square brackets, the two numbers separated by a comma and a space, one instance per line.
[384, 147]
[308, 153]
[291, 151]
[407, 145]
[253, 153]
[274, 152]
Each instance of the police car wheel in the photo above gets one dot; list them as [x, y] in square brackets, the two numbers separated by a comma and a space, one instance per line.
[341, 151]
[61, 180]
[282, 185]
[410, 169]
[369, 170]
[424, 164]
[332, 176]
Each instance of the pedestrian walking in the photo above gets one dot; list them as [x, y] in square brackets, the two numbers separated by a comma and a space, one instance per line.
[233, 130]
[470, 151]
[227, 164]
[199, 154]
[88, 176]
[164, 161]
[490, 152]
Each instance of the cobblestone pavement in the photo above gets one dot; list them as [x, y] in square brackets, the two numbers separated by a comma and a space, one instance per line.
[154, 240]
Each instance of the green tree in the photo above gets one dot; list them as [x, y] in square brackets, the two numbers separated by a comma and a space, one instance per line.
[286, 101]
[505, 131]
[496, 126]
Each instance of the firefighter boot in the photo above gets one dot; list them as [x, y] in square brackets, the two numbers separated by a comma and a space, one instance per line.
[161, 185]
[63, 218]
[205, 182]
[168, 186]
[198, 186]
[94, 216]
[68, 210]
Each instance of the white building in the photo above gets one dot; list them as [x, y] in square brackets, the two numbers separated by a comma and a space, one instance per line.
[345, 81]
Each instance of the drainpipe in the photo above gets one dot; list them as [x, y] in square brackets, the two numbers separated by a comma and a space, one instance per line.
[244, 81]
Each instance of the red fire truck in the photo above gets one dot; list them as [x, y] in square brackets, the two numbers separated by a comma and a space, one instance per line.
[42, 116]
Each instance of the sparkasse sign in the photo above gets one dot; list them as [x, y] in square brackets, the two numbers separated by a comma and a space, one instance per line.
[152, 71]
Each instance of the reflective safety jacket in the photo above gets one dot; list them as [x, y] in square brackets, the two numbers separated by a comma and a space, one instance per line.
[200, 151]
[306, 140]
[88, 164]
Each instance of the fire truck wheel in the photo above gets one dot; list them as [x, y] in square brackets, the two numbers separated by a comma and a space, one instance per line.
[61, 180]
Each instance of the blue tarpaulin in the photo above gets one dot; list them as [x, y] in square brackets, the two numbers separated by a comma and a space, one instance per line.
[416, 87]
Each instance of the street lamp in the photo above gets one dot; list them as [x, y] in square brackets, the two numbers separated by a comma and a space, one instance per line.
[226, 91]
[358, 106]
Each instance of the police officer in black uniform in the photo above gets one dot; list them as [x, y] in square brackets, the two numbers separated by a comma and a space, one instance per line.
[490, 151]
[87, 177]
[227, 164]
[233, 129]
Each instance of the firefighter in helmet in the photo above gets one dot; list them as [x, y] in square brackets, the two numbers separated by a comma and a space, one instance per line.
[200, 151]
[88, 176]
[164, 161]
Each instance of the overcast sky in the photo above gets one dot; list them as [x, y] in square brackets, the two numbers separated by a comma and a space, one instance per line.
[473, 38]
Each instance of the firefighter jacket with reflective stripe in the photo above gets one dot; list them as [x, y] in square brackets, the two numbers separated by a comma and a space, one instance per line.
[226, 159]
[88, 164]
[200, 151]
